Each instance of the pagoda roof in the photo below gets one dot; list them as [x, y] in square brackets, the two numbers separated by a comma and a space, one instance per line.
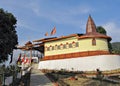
[57, 38]
[29, 46]
[91, 31]
[44, 39]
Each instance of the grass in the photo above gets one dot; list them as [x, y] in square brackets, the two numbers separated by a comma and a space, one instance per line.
[69, 78]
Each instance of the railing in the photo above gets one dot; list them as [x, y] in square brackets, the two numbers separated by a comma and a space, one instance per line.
[16, 77]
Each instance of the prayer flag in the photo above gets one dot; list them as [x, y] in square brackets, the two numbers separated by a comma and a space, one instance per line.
[46, 34]
[53, 31]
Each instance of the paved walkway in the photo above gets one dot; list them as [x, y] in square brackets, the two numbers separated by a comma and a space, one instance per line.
[39, 79]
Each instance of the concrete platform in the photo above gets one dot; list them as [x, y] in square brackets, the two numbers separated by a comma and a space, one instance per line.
[88, 63]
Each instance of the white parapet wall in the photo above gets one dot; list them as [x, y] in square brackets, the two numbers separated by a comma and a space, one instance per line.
[89, 63]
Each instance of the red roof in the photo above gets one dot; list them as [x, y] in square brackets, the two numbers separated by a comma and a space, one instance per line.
[91, 31]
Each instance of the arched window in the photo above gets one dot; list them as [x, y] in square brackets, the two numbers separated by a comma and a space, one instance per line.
[46, 48]
[94, 42]
[50, 47]
[70, 45]
[64, 46]
[73, 44]
[58, 47]
[61, 46]
[67, 45]
[77, 44]
[55, 47]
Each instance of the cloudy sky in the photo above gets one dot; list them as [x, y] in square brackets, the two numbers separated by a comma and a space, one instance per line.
[36, 17]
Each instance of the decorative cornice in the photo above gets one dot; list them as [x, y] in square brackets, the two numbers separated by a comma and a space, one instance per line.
[75, 55]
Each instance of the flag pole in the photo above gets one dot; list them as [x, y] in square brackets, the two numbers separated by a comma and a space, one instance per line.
[30, 55]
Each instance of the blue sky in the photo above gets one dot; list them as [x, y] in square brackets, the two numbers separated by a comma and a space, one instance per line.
[36, 17]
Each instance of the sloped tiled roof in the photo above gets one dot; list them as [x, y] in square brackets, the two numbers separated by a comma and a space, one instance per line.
[91, 31]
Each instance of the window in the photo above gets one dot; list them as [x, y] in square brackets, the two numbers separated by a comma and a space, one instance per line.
[45, 48]
[61, 46]
[52, 47]
[70, 45]
[67, 45]
[64, 46]
[94, 42]
[77, 44]
[58, 47]
[48, 48]
[55, 47]
[73, 44]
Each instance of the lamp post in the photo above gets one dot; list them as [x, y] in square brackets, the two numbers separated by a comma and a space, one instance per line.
[3, 80]
[3, 75]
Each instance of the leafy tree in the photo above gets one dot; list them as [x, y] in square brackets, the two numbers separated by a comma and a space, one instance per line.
[116, 47]
[100, 29]
[8, 35]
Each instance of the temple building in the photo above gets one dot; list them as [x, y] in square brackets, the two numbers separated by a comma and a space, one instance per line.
[76, 45]
[81, 52]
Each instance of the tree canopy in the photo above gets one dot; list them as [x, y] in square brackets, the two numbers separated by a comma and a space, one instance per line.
[116, 47]
[8, 34]
[100, 29]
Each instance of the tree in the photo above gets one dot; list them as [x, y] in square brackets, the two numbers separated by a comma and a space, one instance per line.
[101, 30]
[8, 35]
[116, 47]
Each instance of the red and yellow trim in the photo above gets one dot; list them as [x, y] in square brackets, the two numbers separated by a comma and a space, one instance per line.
[75, 55]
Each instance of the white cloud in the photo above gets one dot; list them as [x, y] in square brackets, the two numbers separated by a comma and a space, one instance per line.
[113, 30]
[22, 24]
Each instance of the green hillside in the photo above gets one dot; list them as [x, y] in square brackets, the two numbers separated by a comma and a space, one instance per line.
[116, 47]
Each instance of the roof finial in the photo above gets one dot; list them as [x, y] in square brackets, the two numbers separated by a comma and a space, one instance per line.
[90, 27]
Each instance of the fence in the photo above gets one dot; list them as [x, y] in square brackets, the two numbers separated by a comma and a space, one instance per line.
[15, 78]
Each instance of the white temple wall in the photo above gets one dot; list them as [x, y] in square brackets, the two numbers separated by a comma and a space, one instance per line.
[103, 62]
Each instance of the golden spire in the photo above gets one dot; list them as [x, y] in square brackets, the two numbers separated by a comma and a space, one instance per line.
[90, 27]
